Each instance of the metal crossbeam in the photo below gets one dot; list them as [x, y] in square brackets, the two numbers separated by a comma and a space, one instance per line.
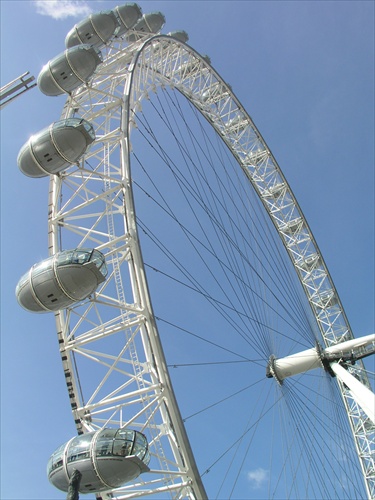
[15, 88]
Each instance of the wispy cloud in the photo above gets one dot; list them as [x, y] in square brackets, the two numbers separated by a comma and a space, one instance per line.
[257, 477]
[61, 9]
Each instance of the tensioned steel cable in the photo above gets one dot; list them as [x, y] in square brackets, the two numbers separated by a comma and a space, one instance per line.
[302, 415]
[245, 186]
[174, 136]
[244, 359]
[241, 185]
[195, 286]
[202, 170]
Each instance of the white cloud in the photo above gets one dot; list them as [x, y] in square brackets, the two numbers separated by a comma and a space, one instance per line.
[61, 9]
[257, 477]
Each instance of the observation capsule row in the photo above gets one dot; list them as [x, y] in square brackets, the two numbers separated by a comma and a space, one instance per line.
[99, 28]
[62, 280]
[76, 65]
[107, 459]
[110, 457]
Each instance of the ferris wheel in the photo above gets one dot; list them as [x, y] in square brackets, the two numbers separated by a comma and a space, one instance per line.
[173, 234]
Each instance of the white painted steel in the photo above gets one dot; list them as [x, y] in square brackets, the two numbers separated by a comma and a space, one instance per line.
[15, 88]
[357, 345]
[93, 203]
[362, 394]
[296, 363]
[309, 359]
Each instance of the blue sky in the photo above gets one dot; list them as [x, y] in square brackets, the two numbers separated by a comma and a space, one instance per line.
[305, 73]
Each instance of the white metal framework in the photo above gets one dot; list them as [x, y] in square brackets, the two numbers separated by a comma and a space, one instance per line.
[115, 369]
[15, 88]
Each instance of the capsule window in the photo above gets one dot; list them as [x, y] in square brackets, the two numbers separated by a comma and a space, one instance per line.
[64, 258]
[98, 259]
[140, 446]
[125, 434]
[56, 460]
[106, 434]
[122, 448]
[79, 448]
[123, 443]
[42, 267]
[81, 257]
[104, 447]
[73, 257]
[147, 457]
[104, 443]
[89, 128]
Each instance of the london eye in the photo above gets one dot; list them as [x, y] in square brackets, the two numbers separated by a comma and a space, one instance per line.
[181, 271]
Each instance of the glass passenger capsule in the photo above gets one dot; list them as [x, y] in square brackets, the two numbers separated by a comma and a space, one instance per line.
[55, 147]
[96, 29]
[107, 459]
[69, 70]
[61, 280]
[127, 15]
[180, 35]
[150, 23]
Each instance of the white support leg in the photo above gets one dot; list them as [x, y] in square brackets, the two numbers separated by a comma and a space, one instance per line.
[364, 397]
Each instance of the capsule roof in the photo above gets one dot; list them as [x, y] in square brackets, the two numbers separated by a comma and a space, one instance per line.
[179, 35]
[69, 70]
[150, 23]
[56, 147]
[127, 17]
[96, 29]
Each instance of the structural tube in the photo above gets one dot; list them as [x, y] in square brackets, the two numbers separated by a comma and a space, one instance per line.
[362, 395]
